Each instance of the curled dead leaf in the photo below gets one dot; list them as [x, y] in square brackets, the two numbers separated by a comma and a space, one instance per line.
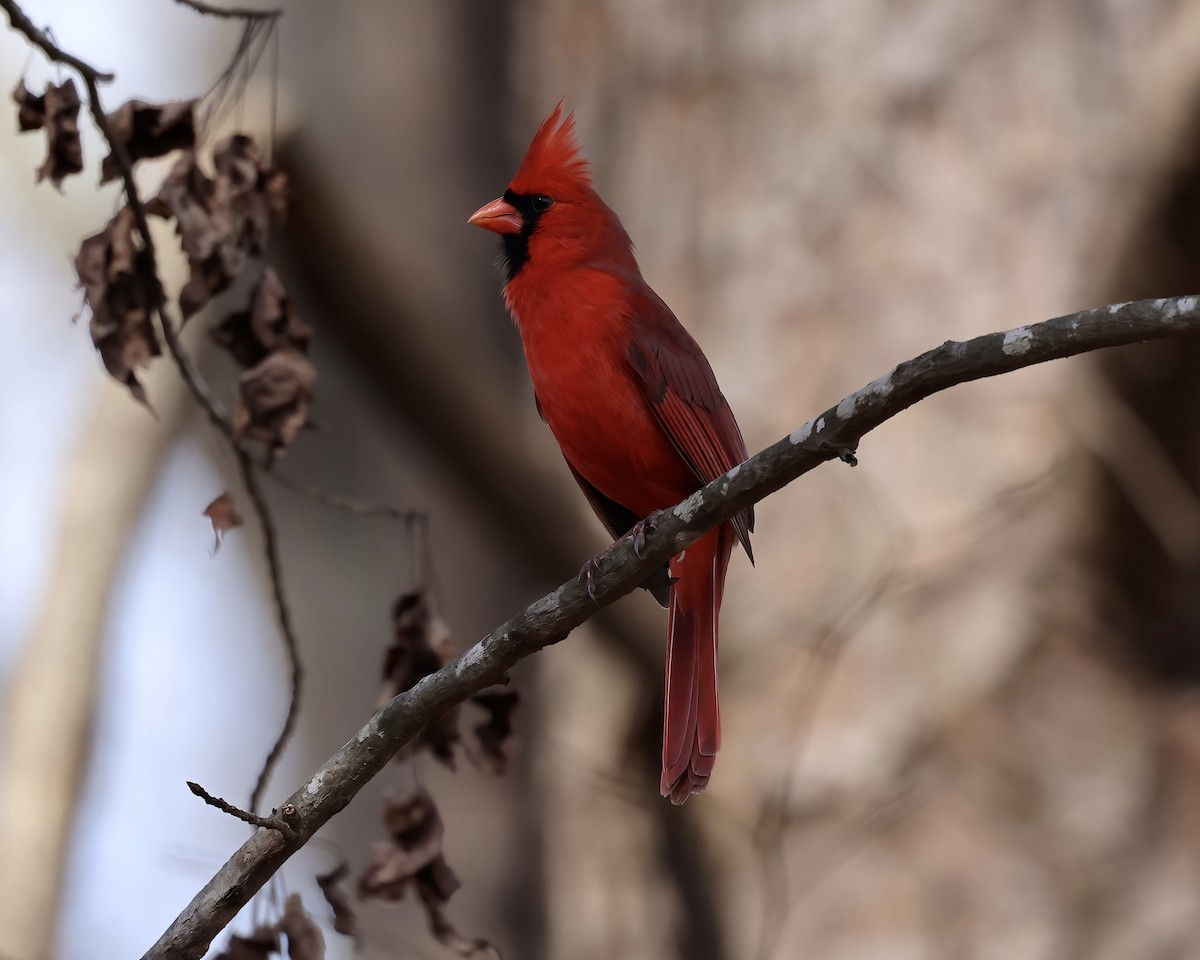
[270, 324]
[57, 111]
[421, 644]
[345, 920]
[444, 931]
[275, 398]
[31, 109]
[224, 517]
[253, 190]
[304, 938]
[205, 235]
[413, 856]
[221, 221]
[149, 130]
[415, 843]
[123, 293]
[492, 736]
[263, 942]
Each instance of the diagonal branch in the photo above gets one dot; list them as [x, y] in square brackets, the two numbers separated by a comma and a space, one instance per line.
[835, 433]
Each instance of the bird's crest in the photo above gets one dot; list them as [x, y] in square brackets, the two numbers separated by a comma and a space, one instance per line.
[553, 162]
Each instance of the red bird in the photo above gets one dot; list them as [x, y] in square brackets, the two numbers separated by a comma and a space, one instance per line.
[633, 404]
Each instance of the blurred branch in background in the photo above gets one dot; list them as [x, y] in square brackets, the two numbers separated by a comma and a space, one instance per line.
[833, 435]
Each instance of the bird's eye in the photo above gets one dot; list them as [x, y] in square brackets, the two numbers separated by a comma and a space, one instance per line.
[541, 203]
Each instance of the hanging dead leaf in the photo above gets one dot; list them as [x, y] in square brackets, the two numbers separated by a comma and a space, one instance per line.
[444, 931]
[421, 645]
[31, 109]
[275, 398]
[58, 112]
[270, 324]
[263, 942]
[123, 293]
[491, 737]
[345, 921]
[204, 230]
[415, 843]
[149, 130]
[304, 938]
[414, 855]
[252, 190]
[222, 221]
[224, 518]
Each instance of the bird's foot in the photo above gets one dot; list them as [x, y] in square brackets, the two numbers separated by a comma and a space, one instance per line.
[643, 527]
[588, 574]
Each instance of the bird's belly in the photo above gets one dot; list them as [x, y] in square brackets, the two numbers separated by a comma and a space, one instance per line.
[607, 431]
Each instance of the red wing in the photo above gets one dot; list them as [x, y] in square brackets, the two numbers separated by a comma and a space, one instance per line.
[685, 398]
[618, 520]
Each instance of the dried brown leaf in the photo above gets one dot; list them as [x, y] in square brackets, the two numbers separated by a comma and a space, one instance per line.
[492, 736]
[270, 324]
[435, 884]
[214, 260]
[123, 293]
[149, 130]
[445, 933]
[31, 109]
[421, 645]
[275, 398]
[263, 942]
[415, 830]
[224, 517]
[413, 856]
[252, 189]
[57, 111]
[345, 920]
[222, 221]
[304, 938]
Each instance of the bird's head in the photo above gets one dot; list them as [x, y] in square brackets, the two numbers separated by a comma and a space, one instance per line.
[550, 213]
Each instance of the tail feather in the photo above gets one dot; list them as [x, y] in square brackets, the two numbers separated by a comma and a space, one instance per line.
[692, 713]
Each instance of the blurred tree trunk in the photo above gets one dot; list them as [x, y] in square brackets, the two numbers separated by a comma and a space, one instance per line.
[50, 702]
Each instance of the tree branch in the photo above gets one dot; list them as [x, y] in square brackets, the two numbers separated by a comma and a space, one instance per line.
[833, 434]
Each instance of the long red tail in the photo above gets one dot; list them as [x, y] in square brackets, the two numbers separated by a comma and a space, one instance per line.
[692, 715]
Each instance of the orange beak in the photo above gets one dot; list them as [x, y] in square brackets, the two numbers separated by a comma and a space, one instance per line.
[499, 216]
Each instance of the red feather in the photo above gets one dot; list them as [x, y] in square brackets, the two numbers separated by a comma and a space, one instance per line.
[633, 403]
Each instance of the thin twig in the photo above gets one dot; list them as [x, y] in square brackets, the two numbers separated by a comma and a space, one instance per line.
[350, 505]
[22, 24]
[231, 13]
[621, 569]
[192, 377]
[284, 615]
[269, 823]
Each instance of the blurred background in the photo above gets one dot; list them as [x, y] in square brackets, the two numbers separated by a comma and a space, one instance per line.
[960, 688]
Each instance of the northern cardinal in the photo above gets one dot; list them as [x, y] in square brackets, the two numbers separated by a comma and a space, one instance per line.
[632, 402]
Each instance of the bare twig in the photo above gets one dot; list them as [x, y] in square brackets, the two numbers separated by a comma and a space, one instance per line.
[268, 823]
[39, 38]
[192, 377]
[231, 13]
[350, 505]
[551, 618]
[284, 615]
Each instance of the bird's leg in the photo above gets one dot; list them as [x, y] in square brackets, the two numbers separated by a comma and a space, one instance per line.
[588, 573]
[643, 527]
